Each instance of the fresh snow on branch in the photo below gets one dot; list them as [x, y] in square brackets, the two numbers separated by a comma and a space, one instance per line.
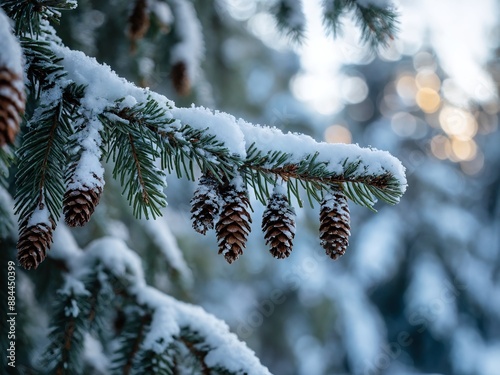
[88, 172]
[170, 315]
[10, 55]
[104, 88]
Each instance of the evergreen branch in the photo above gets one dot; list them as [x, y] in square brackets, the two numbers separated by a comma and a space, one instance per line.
[122, 268]
[152, 129]
[313, 175]
[136, 325]
[377, 24]
[290, 18]
[160, 363]
[197, 347]
[43, 68]
[42, 155]
[200, 348]
[30, 15]
[100, 295]
[333, 10]
[6, 160]
[69, 324]
[189, 144]
[135, 150]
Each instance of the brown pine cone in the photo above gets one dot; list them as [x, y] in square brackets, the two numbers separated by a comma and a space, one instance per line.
[278, 225]
[79, 205]
[205, 204]
[12, 104]
[180, 78]
[233, 226]
[138, 21]
[34, 241]
[334, 223]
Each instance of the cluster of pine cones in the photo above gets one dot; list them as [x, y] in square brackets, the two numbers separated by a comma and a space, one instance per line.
[225, 208]
[35, 240]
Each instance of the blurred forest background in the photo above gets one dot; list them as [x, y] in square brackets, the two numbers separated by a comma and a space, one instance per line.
[418, 291]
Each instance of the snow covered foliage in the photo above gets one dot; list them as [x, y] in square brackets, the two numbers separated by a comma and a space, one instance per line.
[165, 329]
[144, 134]
[84, 119]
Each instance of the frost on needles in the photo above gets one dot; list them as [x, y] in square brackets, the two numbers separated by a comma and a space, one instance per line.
[83, 114]
[86, 113]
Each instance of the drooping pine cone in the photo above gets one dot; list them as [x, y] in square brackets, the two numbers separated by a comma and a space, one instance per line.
[79, 204]
[180, 78]
[233, 226]
[12, 103]
[205, 204]
[334, 223]
[34, 241]
[138, 21]
[278, 225]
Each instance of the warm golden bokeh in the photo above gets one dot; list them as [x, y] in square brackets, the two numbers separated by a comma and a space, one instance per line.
[428, 79]
[458, 122]
[338, 134]
[428, 100]
[463, 150]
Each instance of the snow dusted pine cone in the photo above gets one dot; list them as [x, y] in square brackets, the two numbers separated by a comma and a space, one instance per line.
[205, 204]
[278, 224]
[80, 202]
[79, 205]
[138, 21]
[34, 241]
[334, 223]
[233, 226]
[12, 102]
[180, 78]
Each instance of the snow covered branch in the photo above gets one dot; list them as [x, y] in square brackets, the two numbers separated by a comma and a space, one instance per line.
[220, 142]
[156, 326]
[145, 134]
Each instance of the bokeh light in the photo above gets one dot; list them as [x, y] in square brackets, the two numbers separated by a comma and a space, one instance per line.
[406, 88]
[463, 150]
[403, 124]
[458, 122]
[354, 90]
[428, 100]
[338, 134]
[441, 147]
[426, 78]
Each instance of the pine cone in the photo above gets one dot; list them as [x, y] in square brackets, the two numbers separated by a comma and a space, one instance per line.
[334, 224]
[233, 226]
[79, 205]
[12, 103]
[205, 204]
[34, 241]
[138, 21]
[180, 79]
[278, 224]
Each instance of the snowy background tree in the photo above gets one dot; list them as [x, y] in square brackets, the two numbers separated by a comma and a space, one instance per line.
[416, 292]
